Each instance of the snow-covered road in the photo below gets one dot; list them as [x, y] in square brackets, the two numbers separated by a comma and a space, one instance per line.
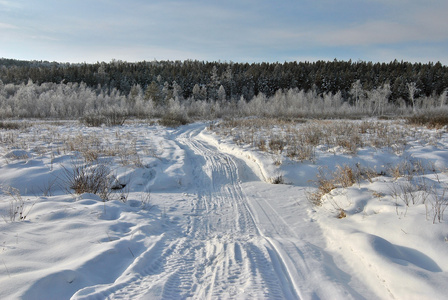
[230, 241]
[199, 221]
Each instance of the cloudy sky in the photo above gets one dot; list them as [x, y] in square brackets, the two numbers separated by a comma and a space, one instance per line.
[226, 30]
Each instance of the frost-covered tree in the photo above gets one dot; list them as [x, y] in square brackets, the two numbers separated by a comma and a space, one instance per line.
[136, 91]
[144, 108]
[443, 97]
[228, 81]
[379, 98]
[167, 92]
[221, 93]
[214, 84]
[196, 93]
[357, 93]
[257, 106]
[177, 91]
[412, 89]
[242, 107]
[153, 92]
[204, 93]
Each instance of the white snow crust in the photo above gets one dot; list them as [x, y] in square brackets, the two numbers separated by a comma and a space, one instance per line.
[198, 220]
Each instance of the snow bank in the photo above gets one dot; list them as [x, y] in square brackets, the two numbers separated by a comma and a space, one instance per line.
[195, 218]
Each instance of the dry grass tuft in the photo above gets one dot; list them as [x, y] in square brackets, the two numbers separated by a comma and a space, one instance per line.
[343, 177]
[342, 214]
[82, 178]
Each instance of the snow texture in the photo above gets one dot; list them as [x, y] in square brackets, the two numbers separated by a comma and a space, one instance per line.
[196, 219]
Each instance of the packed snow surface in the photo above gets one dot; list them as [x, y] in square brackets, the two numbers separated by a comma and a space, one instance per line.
[192, 216]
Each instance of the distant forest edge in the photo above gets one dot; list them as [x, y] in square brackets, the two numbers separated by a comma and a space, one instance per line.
[215, 89]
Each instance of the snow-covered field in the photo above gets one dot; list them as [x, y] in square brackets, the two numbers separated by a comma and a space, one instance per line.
[190, 215]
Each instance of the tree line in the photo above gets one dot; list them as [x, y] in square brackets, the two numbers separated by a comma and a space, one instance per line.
[216, 80]
[189, 90]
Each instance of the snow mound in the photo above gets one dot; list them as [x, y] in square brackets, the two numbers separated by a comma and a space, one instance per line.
[192, 216]
[17, 154]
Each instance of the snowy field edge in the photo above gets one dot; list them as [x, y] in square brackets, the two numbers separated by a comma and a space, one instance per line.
[193, 215]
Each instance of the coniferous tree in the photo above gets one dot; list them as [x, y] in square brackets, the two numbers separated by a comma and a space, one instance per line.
[221, 93]
[238, 79]
[153, 92]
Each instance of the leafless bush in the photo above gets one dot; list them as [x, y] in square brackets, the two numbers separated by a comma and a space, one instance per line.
[325, 184]
[315, 198]
[431, 119]
[93, 119]
[344, 176]
[277, 180]
[46, 189]
[12, 125]
[90, 155]
[408, 168]
[262, 145]
[277, 145]
[408, 193]
[301, 152]
[111, 116]
[439, 203]
[348, 145]
[18, 210]
[114, 116]
[415, 189]
[145, 199]
[365, 173]
[171, 119]
[310, 134]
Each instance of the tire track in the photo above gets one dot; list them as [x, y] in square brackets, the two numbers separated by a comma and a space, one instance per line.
[216, 251]
[246, 255]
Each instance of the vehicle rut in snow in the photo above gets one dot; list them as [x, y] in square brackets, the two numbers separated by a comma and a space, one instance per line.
[236, 256]
[227, 241]
[217, 251]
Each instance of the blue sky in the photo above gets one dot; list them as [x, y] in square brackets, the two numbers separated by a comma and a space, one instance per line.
[238, 31]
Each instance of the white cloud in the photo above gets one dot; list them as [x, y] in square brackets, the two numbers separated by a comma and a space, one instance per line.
[7, 26]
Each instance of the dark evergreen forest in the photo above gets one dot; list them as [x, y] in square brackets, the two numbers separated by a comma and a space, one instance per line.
[237, 79]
